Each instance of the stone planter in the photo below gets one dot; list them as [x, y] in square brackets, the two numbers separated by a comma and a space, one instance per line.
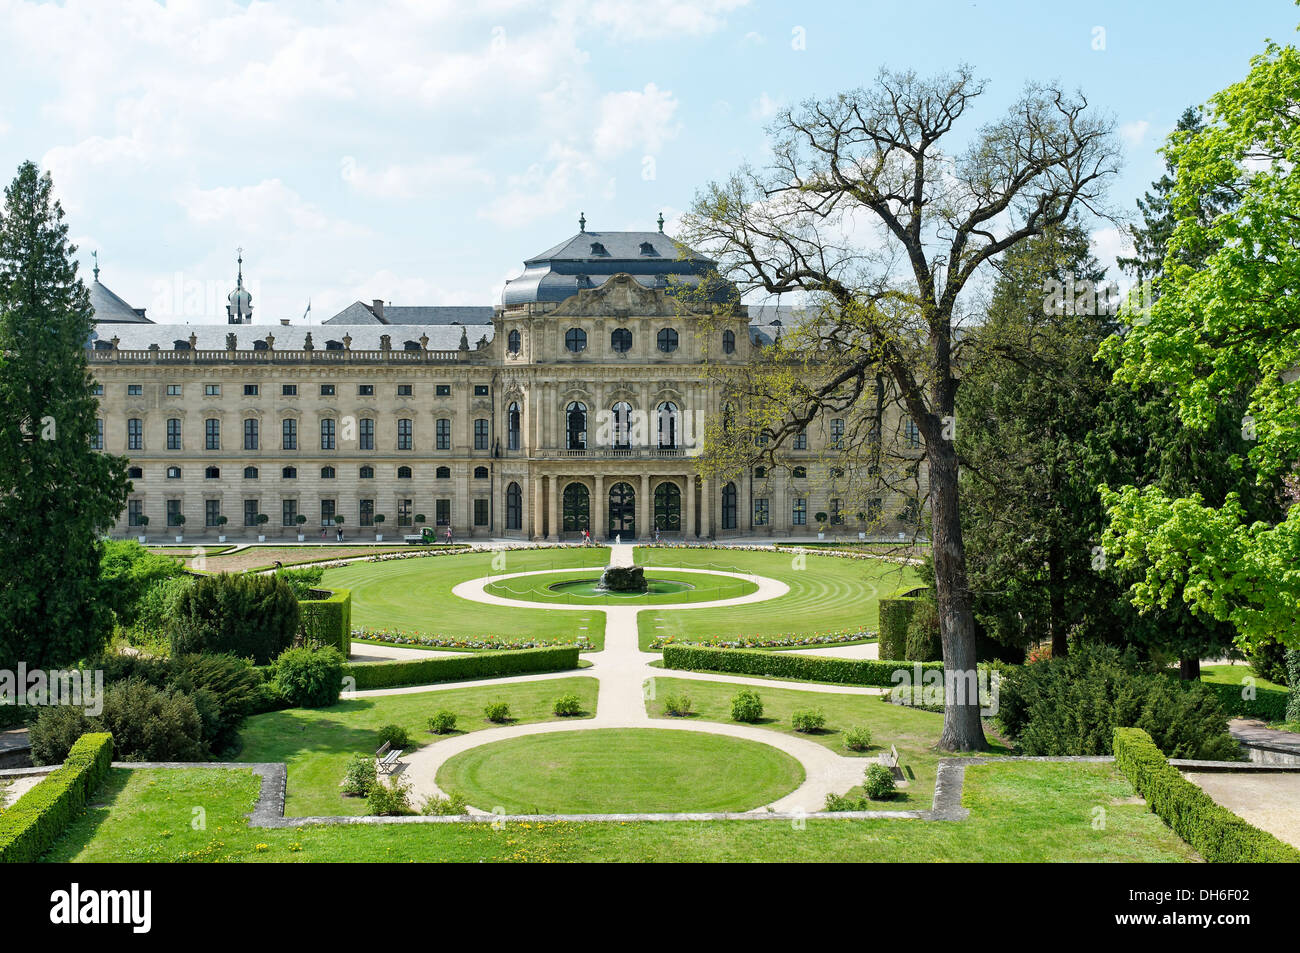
[862, 535]
[379, 537]
[821, 535]
[221, 539]
[261, 538]
[180, 539]
[143, 539]
[302, 538]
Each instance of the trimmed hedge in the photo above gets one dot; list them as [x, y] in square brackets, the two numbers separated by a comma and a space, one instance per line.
[1210, 829]
[1269, 704]
[814, 668]
[39, 818]
[447, 668]
[326, 618]
[895, 616]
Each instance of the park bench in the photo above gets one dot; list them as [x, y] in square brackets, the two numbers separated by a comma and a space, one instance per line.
[387, 757]
[890, 760]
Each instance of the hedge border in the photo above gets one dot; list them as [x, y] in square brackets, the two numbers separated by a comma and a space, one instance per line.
[1210, 829]
[812, 668]
[449, 668]
[895, 615]
[329, 620]
[39, 817]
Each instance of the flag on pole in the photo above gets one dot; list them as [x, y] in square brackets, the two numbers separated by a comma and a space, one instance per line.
[308, 311]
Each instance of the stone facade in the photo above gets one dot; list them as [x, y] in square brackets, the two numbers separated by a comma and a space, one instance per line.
[560, 416]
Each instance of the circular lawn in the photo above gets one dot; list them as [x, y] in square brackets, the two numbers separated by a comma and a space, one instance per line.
[619, 771]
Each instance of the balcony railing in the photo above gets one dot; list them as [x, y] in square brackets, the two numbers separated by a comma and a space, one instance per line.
[612, 453]
[272, 356]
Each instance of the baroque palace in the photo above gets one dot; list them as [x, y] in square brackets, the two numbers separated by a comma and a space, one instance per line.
[578, 403]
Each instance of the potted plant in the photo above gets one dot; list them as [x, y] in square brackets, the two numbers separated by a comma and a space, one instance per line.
[221, 528]
[179, 523]
[301, 520]
[821, 524]
[262, 520]
[144, 525]
[379, 526]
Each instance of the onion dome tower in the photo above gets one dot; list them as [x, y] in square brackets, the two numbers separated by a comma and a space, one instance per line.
[239, 303]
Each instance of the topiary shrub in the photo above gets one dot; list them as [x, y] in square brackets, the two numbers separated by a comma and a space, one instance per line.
[442, 722]
[463, 665]
[391, 799]
[878, 783]
[923, 641]
[395, 736]
[857, 738]
[894, 615]
[251, 616]
[1072, 706]
[746, 706]
[808, 720]
[497, 712]
[567, 705]
[678, 705]
[306, 677]
[361, 776]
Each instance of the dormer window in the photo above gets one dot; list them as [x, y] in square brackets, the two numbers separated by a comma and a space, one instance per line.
[648, 249]
[410, 345]
[179, 345]
[260, 345]
[598, 249]
[333, 345]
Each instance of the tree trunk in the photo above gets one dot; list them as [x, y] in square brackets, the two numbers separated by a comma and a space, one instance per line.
[1189, 669]
[962, 728]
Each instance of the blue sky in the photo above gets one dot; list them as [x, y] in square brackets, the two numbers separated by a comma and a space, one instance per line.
[419, 151]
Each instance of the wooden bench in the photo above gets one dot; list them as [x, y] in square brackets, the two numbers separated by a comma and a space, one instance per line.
[890, 760]
[388, 758]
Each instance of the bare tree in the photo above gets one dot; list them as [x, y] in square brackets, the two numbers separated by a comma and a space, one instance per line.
[865, 216]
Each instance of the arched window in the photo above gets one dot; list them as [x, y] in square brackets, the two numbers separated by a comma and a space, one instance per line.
[512, 342]
[289, 473]
[799, 473]
[480, 473]
[668, 425]
[729, 506]
[250, 473]
[512, 426]
[367, 473]
[135, 473]
[622, 435]
[668, 340]
[173, 473]
[577, 508]
[442, 473]
[575, 416]
[728, 342]
[403, 473]
[514, 507]
[327, 473]
[575, 339]
[620, 339]
[212, 473]
[668, 507]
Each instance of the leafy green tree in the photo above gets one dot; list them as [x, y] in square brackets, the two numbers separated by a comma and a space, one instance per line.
[1229, 327]
[57, 494]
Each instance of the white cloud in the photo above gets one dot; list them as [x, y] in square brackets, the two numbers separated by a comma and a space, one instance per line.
[764, 107]
[434, 176]
[647, 19]
[634, 119]
[1108, 244]
[1133, 133]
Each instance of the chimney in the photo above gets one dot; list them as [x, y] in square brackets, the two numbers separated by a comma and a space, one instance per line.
[285, 322]
[378, 308]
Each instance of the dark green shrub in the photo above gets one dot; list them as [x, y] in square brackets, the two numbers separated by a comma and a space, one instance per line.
[678, 705]
[156, 608]
[498, 712]
[1267, 659]
[567, 705]
[55, 730]
[235, 685]
[923, 642]
[153, 725]
[746, 706]
[326, 618]
[30, 827]
[450, 805]
[463, 665]
[857, 738]
[361, 776]
[813, 668]
[302, 580]
[878, 783]
[895, 615]
[1213, 831]
[1072, 706]
[252, 616]
[1293, 680]
[442, 722]
[395, 735]
[390, 799]
[306, 677]
[808, 720]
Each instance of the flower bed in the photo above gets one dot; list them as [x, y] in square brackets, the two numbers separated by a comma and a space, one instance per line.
[394, 637]
[772, 641]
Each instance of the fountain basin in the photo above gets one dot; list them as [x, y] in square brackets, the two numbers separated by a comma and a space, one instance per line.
[591, 587]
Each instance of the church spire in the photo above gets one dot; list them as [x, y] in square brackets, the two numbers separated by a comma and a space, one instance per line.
[239, 303]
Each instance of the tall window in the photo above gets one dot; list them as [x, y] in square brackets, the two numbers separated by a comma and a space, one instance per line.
[403, 512]
[327, 512]
[443, 434]
[667, 425]
[327, 434]
[289, 435]
[729, 506]
[366, 512]
[760, 512]
[728, 342]
[365, 434]
[481, 434]
[512, 342]
[212, 434]
[912, 433]
[514, 507]
[135, 434]
[173, 433]
[442, 512]
[837, 433]
[250, 512]
[480, 512]
[575, 417]
[801, 440]
[134, 510]
[211, 512]
[173, 512]
[622, 425]
[404, 434]
[97, 438]
[512, 427]
[289, 513]
[799, 513]
[250, 434]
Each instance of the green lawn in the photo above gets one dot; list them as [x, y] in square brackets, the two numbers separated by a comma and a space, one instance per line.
[316, 743]
[1020, 813]
[1235, 675]
[826, 595]
[912, 731]
[704, 588]
[413, 597]
[621, 770]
